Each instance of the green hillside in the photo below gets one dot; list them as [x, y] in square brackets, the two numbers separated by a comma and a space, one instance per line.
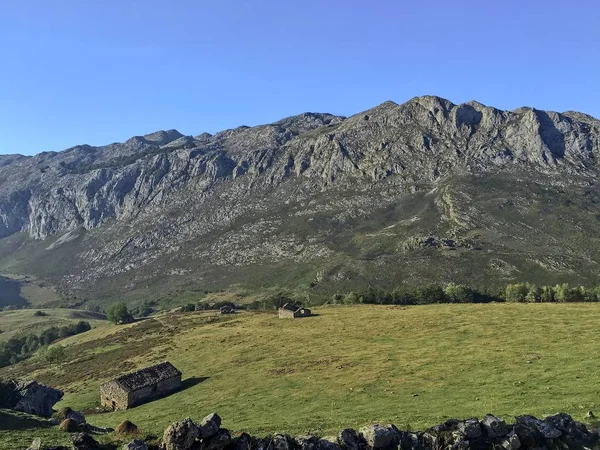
[412, 366]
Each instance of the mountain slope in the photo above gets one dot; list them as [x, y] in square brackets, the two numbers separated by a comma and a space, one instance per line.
[423, 191]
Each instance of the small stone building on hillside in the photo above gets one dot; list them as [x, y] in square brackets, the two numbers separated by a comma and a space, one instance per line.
[134, 388]
[291, 311]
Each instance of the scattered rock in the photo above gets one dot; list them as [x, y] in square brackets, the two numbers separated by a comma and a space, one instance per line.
[127, 427]
[36, 398]
[209, 426]
[494, 426]
[590, 415]
[68, 413]
[69, 425]
[83, 441]
[136, 444]
[180, 435]
[36, 444]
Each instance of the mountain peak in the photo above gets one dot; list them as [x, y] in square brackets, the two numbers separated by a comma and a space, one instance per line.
[163, 137]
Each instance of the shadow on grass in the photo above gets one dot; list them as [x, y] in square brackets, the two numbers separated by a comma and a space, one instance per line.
[19, 421]
[191, 382]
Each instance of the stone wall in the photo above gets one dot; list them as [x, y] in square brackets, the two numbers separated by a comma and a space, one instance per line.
[113, 396]
[554, 432]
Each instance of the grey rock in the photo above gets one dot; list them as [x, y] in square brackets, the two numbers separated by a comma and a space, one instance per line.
[328, 443]
[511, 442]
[494, 426]
[219, 440]
[590, 415]
[83, 441]
[36, 444]
[122, 208]
[546, 430]
[209, 426]
[349, 439]
[377, 436]
[180, 435]
[36, 398]
[136, 444]
[306, 442]
[470, 428]
[76, 416]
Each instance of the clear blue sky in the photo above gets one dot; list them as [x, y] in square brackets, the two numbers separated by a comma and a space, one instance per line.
[100, 71]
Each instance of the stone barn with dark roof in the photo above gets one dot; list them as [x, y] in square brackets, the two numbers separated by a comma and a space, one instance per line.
[138, 387]
[291, 311]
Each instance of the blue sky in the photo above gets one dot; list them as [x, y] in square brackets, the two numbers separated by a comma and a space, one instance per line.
[97, 72]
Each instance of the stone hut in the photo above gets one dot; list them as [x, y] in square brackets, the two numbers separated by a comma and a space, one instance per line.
[134, 388]
[291, 311]
[227, 309]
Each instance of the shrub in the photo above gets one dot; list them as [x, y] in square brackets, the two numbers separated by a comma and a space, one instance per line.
[40, 314]
[459, 293]
[118, 313]
[55, 354]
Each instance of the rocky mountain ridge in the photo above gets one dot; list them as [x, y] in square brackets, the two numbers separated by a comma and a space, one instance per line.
[284, 192]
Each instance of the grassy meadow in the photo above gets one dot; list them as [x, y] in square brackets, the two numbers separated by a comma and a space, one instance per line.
[345, 367]
[23, 321]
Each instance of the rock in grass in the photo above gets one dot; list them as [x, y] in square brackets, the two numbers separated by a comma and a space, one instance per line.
[127, 427]
[68, 413]
[69, 425]
[36, 398]
[209, 426]
[180, 435]
[136, 444]
[83, 441]
[36, 444]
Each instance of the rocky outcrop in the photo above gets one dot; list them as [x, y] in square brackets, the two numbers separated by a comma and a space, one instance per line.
[36, 398]
[166, 203]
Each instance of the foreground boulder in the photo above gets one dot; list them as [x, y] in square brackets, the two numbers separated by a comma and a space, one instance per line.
[209, 426]
[136, 444]
[180, 435]
[36, 398]
[83, 441]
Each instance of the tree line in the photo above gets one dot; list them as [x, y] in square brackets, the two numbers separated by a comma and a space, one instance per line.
[461, 293]
[19, 348]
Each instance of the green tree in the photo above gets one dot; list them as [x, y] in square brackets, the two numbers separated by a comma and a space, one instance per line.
[547, 294]
[55, 354]
[459, 293]
[118, 313]
[428, 294]
[516, 292]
